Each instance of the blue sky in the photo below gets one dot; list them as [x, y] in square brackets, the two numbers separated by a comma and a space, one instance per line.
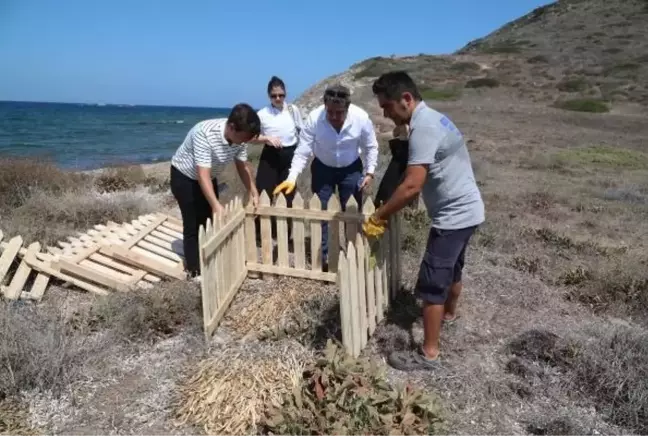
[214, 52]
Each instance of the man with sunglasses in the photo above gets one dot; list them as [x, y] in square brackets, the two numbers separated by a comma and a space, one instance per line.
[335, 133]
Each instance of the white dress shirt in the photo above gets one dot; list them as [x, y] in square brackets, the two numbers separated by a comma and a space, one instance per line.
[335, 149]
[280, 123]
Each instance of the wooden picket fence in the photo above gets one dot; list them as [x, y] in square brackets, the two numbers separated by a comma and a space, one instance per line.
[369, 278]
[222, 259]
[306, 261]
[228, 252]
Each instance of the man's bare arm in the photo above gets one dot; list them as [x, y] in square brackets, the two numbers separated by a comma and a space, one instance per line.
[409, 188]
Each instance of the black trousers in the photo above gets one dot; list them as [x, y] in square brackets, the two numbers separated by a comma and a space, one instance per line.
[195, 210]
[273, 169]
[395, 172]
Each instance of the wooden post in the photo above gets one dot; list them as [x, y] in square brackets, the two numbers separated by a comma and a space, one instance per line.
[334, 234]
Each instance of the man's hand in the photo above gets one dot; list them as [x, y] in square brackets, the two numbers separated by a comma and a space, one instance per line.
[374, 227]
[218, 209]
[254, 198]
[285, 186]
[366, 181]
[274, 141]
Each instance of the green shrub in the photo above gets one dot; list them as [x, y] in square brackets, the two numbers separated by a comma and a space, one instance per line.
[482, 82]
[444, 94]
[340, 395]
[574, 84]
[538, 59]
[583, 105]
[465, 67]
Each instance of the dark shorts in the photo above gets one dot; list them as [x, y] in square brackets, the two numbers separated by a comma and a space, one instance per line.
[442, 263]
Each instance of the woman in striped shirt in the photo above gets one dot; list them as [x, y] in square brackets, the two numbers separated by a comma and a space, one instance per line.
[208, 147]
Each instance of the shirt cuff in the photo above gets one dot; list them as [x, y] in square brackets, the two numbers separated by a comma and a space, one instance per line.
[371, 169]
[292, 177]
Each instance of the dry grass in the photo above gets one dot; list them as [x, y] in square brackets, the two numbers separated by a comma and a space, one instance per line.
[279, 307]
[143, 316]
[38, 351]
[14, 419]
[228, 394]
[42, 203]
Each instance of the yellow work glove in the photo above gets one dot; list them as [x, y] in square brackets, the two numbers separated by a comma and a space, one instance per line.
[286, 186]
[373, 227]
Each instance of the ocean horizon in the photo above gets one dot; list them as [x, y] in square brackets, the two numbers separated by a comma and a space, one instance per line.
[86, 136]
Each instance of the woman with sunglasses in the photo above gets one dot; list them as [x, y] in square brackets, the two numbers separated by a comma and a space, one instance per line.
[281, 123]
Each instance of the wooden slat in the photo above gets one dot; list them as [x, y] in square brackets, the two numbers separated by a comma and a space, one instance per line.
[45, 268]
[292, 272]
[250, 239]
[362, 289]
[368, 208]
[142, 261]
[299, 236]
[9, 254]
[352, 227]
[145, 231]
[354, 300]
[282, 235]
[266, 231]
[322, 215]
[12, 292]
[91, 275]
[315, 205]
[334, 234]
[345, 302]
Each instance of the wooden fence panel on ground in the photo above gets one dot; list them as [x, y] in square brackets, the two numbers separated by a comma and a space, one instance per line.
[222, 258]
[88, 261]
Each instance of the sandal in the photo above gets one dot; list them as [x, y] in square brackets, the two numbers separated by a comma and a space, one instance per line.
[451, 321]
[412, 360]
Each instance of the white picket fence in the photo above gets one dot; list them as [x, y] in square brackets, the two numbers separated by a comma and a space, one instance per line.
[228, 251]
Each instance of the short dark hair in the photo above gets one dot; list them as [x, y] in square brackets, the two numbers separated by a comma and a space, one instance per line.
[244, 118]
[276, 81]
[337, 94]
[393, 84]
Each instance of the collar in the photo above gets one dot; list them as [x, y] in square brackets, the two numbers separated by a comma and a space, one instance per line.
[274, 110]
[220, 128]
[417, 110]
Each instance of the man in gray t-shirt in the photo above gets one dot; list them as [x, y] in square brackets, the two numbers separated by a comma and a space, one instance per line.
[439, 168]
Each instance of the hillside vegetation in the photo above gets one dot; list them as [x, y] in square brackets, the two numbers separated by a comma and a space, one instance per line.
[576, 55]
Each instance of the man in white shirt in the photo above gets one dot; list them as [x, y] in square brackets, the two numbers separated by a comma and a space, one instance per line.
[335, 133]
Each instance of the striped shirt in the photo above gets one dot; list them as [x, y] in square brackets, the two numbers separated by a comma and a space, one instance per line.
[205, 146]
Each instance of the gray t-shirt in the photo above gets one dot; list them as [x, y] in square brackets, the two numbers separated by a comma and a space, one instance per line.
[450, 193]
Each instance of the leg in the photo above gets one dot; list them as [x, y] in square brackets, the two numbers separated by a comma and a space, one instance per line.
[435, 279]
[285, 160]
[349, 184]
[322, 184]
[183, 190]
[450, 309]
[266, 180]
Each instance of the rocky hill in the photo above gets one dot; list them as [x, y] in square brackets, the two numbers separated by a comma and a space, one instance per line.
[589, 55]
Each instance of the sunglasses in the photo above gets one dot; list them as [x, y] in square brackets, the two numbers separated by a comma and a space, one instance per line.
[277, 95]
[336, 94]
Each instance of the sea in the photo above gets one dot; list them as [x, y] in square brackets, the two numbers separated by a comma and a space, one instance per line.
[88, 136]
